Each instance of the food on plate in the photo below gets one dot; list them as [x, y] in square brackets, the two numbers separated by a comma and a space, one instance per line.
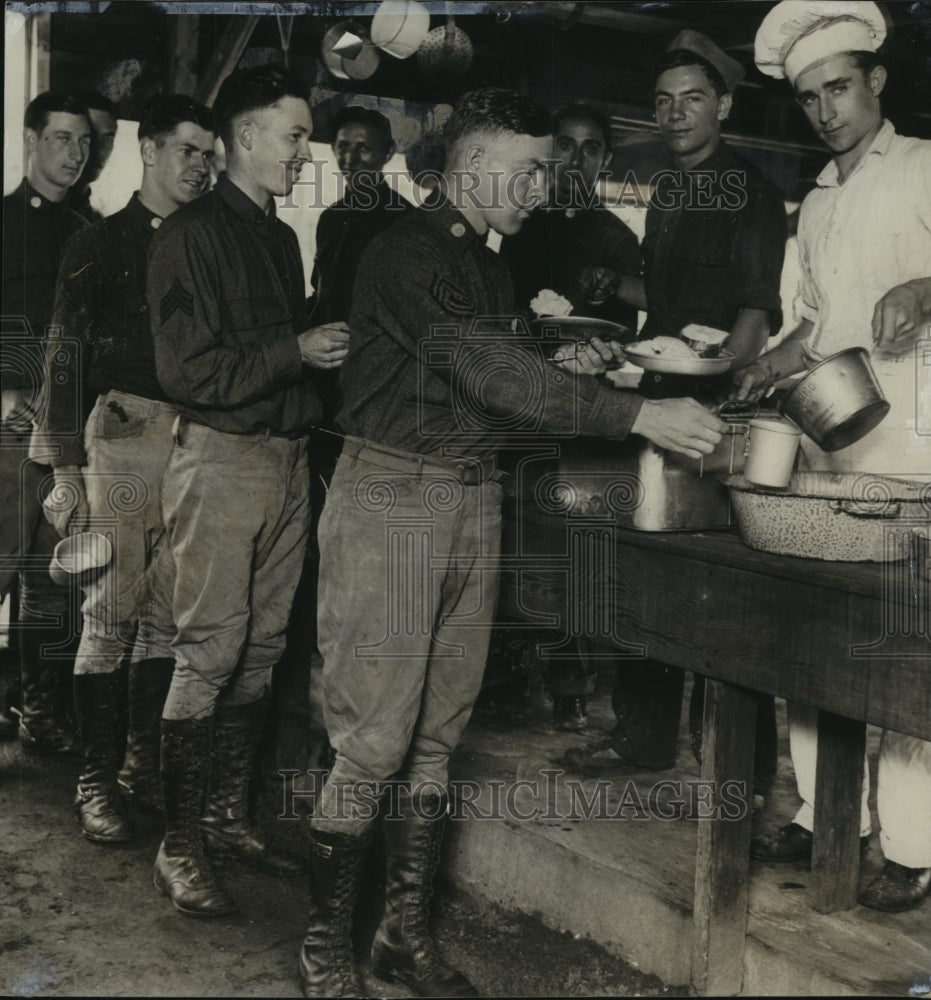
[704, 340]
[625, 376]
[549, 303]
[663, 347]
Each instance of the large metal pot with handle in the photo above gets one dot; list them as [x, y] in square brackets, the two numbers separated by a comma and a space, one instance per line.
[838, 402]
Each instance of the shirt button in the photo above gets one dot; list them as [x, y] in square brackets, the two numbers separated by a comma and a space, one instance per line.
[155, 223]
[35, 201]
[144, 308]
[457, 229]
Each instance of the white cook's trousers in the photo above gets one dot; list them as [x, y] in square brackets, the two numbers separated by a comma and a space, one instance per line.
[903, 795]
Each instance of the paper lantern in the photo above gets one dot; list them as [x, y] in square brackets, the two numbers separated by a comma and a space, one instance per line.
[348, 53]
[399, 27]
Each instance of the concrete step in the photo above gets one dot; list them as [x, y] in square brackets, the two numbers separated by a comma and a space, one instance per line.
[623, 875]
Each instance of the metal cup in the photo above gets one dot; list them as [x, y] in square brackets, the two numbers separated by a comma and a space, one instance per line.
[80, 557]
[773, 446]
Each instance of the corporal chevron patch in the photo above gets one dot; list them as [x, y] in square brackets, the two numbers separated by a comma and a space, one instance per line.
[451, 298]
[177, 297]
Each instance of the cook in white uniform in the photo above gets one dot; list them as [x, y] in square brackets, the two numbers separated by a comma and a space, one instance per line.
[865, 247]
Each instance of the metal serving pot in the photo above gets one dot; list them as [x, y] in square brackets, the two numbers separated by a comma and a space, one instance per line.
[838, 402]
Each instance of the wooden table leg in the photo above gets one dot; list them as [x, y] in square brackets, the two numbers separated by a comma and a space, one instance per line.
[835, 861]
[723, 859]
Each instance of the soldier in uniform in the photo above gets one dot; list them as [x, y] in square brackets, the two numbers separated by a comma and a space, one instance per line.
[37, 222]
[101, 349]
[103, 115]
[233, 351]
[403, 653]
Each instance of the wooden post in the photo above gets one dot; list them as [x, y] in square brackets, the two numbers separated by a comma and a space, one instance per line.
[227, 54]
[835, 860]
[723, 858]
[40, 44]
[182, 70]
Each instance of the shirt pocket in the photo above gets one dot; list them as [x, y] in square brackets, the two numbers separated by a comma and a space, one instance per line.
[259, 318]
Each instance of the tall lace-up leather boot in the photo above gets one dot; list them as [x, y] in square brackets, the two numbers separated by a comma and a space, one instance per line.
[403, 949]
[42, 726]
[182, 871]
[149, 681]
[327, 965]
[229, 831]
[98, 804]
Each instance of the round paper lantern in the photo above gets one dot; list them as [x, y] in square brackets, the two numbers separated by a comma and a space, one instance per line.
[347, 52]
[399, 27]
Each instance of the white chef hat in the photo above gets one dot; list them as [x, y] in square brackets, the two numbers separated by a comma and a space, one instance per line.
[797, 33]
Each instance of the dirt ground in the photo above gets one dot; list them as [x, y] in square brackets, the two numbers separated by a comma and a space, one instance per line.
[77, 919]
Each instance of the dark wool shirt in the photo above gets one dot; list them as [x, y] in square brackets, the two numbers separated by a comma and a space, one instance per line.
[433, 366]
[100, 336]
[714, 244]
[345, 229]
[34, 232]
[226, 297]
[554, 247]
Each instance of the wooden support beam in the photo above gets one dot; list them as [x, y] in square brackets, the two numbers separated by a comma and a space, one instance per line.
[227, 54]
[182, 70]
[835, 856]
[40, 44]
[723, 860]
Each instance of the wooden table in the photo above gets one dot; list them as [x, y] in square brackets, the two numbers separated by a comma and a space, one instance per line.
[851, 639]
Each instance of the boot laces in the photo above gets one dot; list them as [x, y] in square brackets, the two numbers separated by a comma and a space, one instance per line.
[340, 962]
[417, 915]
[191, 829]
[344, 892]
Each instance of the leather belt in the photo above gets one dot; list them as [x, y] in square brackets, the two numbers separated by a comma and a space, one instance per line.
[469, 471]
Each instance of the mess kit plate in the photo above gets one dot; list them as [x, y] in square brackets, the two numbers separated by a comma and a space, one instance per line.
[580, 328]
[679, 366]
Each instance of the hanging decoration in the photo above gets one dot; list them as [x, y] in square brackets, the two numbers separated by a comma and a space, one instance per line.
[285, 24]
[348, 52]
[400, 26]
[446, 52]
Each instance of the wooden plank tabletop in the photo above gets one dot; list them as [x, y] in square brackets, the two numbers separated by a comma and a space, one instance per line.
[850, 638]
[721, 546]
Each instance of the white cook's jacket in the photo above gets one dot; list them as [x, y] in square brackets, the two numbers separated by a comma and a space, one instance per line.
[858, 240]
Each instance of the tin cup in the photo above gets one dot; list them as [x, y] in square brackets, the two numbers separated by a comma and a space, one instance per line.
[772, 446]
[80, 558]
